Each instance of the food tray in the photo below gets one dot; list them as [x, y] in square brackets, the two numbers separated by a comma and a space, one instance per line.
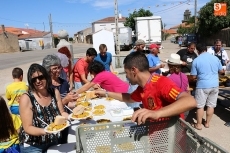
[55, 132]
[169, 135]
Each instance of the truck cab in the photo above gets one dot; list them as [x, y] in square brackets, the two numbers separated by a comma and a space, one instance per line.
[189, 38]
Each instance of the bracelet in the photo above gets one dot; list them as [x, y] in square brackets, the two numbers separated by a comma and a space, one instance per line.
[106, 94]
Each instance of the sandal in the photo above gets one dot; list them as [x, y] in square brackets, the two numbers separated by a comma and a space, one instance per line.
[195, 126]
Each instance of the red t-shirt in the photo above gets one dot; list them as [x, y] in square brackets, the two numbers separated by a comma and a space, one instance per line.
[158, 92]
[81, 67]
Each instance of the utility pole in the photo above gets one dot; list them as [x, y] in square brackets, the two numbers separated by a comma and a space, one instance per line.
[117, 28]
[44, 26]
[51, 29]
[195, 16]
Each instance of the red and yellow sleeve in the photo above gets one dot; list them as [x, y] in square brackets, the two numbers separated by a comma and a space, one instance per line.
[168, 89]
[136, 95]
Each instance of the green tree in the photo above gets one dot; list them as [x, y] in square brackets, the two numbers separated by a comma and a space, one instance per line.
[208, 23]
[130, 21]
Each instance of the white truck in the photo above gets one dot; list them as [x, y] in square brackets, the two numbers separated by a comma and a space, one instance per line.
[125, 38]
[149, 29]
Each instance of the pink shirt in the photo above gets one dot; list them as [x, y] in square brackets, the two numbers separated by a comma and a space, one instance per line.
[181, 80]
[111, 82]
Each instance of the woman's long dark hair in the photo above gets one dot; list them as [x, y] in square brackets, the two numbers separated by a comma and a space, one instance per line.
[38, 68]
[6, 121]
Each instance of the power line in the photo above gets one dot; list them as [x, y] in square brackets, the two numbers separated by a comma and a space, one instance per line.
[20, 21]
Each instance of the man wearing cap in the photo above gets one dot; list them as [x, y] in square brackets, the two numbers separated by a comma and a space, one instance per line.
[154, 60]
[139, 45]
[205, 69]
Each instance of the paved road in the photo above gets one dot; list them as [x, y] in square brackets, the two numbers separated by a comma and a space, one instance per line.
[8, 60]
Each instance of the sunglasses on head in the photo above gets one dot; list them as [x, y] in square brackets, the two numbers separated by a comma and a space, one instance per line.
[40, 77]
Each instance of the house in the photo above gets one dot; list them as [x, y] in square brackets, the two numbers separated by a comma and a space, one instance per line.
[107, 24]
[8, 41]
[35, 41]
[84, 36]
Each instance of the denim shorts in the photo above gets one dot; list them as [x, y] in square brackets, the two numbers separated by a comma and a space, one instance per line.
[36, 148]
[78, 85]
[14, 110]
[13, 148]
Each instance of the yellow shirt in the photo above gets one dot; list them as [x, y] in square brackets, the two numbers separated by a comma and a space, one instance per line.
[14, 139]
[14, 91]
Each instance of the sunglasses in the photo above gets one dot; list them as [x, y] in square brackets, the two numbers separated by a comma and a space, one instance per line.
[40, 78]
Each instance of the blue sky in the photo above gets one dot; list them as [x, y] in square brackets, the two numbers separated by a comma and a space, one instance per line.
[75, 15]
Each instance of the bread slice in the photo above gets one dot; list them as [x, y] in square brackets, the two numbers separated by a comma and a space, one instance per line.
[78, 110]
[90, 95]
[59, 120]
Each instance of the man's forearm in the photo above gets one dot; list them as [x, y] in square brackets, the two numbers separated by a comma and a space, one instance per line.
[182, 105]
[125, 97]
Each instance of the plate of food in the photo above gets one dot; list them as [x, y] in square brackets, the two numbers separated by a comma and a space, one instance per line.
[99, 112]
[109, 99]
[79, 113]
[59, 124]
[99, 107]
[85, 104]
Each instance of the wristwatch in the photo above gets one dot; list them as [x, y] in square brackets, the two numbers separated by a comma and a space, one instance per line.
[106, 94]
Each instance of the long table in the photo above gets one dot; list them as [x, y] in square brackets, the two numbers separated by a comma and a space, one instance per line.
[70, 147]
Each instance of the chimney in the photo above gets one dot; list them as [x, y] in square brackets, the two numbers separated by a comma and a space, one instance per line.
[120, 16]
[3, 28]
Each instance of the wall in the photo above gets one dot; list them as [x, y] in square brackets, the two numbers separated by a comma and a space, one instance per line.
[34, 43]
[107, 26]
[9, 43]
[223, 35]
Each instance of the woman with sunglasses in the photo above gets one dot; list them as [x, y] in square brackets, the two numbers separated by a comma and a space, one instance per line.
[52, 64]
[40, 103]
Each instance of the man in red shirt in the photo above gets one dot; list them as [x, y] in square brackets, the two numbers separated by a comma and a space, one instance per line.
[80, 70]
[159, 95]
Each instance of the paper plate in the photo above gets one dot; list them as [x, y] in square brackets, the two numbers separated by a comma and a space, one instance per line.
[55, 132]
[83, 118]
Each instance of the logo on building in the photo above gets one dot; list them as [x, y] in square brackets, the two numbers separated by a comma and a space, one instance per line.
[220, 9]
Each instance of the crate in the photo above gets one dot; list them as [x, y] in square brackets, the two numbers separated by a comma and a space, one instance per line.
[168, 135]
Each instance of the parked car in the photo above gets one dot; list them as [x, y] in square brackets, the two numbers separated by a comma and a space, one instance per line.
[173, 40]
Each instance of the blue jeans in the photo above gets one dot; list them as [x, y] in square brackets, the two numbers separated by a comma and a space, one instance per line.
[12, 149]
[14, 110]
[37, 148]
[78, 85]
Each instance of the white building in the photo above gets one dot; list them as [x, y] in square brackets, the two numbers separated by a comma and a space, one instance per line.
[107, 24]
[35, 41]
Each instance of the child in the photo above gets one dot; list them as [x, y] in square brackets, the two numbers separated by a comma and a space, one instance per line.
[15, 90]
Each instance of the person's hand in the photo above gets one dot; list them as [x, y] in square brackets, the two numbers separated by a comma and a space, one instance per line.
[100, 92]
[96, 86]
[184, 63]
[72, 96]
[162, 65]
[141, 115]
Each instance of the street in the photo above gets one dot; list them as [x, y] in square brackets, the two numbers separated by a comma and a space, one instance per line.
[8, 60]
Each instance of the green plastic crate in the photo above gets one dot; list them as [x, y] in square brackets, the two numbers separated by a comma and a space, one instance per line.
[168, 135]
